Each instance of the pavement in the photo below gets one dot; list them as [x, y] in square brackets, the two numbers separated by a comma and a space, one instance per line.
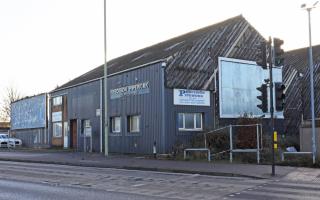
[145, 163]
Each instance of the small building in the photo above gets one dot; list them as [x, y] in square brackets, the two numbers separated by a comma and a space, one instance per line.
[4, 127]
[163, 94]
[29, 121]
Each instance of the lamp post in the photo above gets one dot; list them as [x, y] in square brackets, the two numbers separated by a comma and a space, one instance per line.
[314, 148]
[106, 127]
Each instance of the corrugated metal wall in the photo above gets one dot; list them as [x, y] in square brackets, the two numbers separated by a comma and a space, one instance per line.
[148, 106]
[32, 137]
[173, 135]
[82, 102]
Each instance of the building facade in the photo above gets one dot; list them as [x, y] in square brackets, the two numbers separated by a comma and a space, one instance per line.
[162, 95]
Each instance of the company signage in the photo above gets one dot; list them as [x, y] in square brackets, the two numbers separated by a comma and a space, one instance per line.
[191, 97]
[140, 88]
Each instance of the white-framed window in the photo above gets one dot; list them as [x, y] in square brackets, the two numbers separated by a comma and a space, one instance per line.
[190, 121]
[134, 123]
[57, 101]
[57, 129]
[85, 123]
[115, 124]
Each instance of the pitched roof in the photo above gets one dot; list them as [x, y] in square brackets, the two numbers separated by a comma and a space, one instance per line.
[296, 76]
[192, 57]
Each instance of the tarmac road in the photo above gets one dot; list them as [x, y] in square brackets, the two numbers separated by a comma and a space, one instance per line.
[20, 180]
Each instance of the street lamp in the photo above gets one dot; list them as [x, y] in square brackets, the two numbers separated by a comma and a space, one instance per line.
[106, 128]
[314, 149]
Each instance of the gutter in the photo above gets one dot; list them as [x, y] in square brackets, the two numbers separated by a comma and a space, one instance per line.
[110, 75]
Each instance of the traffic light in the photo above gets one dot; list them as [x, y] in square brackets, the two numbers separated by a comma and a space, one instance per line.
[262, 55]
[280, 96]
[278, 52]
[263, 97]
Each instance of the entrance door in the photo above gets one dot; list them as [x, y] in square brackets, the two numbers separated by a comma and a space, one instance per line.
[65, 135]
[73, 131]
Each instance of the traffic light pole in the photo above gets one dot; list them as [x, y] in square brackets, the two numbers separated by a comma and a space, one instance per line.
[271, 104]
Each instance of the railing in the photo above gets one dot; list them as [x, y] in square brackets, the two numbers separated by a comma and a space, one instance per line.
[231, 149]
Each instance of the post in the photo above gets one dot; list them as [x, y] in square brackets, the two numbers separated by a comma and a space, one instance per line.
[271, 104]
[205, 140]
[84, 145]
[106, 127]
[261, 143]
[231, 142]
[314, 148]
[154, 149]
[258, 145]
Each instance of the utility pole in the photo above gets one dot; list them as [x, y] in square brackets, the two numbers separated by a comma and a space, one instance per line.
[314, 149]
[314, 136]
[106, 127]
[271, 104]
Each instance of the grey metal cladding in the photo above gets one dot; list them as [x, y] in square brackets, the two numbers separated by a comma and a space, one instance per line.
[147, 105]
[296, 76]
[82, 102]
[174, 137]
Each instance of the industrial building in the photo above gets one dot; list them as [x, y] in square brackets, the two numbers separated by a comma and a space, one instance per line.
[162, 94]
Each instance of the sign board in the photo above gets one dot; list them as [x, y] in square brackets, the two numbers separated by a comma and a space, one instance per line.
[88, 131]
[29, 113]
[238, 82]
[98, 112]
[140, 88]
[191, 97]
[57, 116]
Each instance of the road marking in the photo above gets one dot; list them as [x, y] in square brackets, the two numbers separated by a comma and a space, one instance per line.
[138, 185]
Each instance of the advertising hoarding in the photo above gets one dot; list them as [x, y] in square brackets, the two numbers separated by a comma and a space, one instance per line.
[238, 82]
[29, 113]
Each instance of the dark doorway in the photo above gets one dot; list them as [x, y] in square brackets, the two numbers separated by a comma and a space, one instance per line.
[73, 131]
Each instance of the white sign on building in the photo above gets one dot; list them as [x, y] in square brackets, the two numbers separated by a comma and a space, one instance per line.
[57, 116]
[140, 88]
[191, 97]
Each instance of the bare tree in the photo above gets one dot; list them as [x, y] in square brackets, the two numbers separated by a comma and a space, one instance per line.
[10, 96]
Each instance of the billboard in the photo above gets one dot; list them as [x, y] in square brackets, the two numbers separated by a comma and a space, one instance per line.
[191, 97]
[238, 82]
[29, 113]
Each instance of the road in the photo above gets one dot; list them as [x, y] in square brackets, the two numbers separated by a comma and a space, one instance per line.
[47, 181]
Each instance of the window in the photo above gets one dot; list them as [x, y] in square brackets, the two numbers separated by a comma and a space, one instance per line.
[190, 121]
[115, 124]
[57, 129]
[134, 123]
[85, 123]
[57, 101]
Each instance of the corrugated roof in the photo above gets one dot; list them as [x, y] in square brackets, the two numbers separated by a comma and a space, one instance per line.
[192, 57]
[296, 75]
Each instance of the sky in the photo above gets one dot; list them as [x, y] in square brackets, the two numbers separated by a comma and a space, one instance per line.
[46, 43]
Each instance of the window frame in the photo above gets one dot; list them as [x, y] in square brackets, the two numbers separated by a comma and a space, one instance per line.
[54, 129]
[84, 124]
[130, 124]
[194, 122]
[57, 101]
[112, 123]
